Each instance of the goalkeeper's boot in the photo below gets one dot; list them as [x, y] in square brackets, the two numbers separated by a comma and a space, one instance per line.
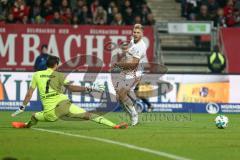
[122, 125]
[19, 125]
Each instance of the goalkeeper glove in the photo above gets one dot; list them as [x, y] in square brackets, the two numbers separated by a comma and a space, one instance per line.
[19, 111]
[96, 87]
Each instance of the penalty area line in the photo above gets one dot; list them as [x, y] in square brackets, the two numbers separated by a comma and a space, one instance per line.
[126, 145]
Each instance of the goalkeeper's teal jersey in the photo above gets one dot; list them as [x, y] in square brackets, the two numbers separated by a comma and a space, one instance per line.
[49, 84]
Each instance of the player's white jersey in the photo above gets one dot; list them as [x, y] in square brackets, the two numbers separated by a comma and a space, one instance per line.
[137, 50]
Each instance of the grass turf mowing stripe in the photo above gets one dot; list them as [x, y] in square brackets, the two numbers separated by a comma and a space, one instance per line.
[126, 145]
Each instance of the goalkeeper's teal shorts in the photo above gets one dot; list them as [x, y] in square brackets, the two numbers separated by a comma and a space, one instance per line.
[64, 108]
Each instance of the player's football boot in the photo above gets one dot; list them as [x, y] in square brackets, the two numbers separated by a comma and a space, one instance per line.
[122, 125]
[19, 125]
[134, 120]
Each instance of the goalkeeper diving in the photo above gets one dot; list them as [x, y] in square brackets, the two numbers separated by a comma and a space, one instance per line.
[55, 103]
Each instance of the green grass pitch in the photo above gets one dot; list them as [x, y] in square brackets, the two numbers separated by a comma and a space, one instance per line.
[193, 137]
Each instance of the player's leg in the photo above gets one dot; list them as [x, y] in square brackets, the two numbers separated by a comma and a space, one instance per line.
[38, 116]
[121, 92]
[132, 96]
[49, 116]
[77, 112]
[128, 104]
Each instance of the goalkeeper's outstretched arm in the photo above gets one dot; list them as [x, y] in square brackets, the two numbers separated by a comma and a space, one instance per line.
[95, 87]
[28, 96]
[75, 88]
[25, 102]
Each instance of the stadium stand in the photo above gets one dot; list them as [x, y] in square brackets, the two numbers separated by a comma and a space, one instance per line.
[224, 13]
[184, 53]
[181, 53]
[94, 12]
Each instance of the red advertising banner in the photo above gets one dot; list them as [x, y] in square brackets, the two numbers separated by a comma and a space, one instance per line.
[20, 44]
[230, 38]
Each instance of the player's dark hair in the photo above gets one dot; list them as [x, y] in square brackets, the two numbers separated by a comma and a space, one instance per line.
[52, 61]
[44, 46]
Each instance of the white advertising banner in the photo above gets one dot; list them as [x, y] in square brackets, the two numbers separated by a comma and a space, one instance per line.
[171, 89]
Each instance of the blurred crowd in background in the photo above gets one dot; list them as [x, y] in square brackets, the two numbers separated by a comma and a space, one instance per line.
[97, 12]
[224, 13]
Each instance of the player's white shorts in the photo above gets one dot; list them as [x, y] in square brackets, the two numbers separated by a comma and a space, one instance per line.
[126, 83]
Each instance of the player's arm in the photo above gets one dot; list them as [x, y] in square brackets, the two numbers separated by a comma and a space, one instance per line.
[95, 87]
[75, 88]
[128, 64]
[28, 96]
[26, 100]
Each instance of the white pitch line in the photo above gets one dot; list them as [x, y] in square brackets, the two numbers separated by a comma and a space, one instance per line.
[126, 145]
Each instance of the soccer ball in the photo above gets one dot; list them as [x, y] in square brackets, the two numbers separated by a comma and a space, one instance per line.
[221, 121]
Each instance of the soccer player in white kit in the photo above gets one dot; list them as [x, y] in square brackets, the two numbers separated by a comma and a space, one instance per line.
[131, 66]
